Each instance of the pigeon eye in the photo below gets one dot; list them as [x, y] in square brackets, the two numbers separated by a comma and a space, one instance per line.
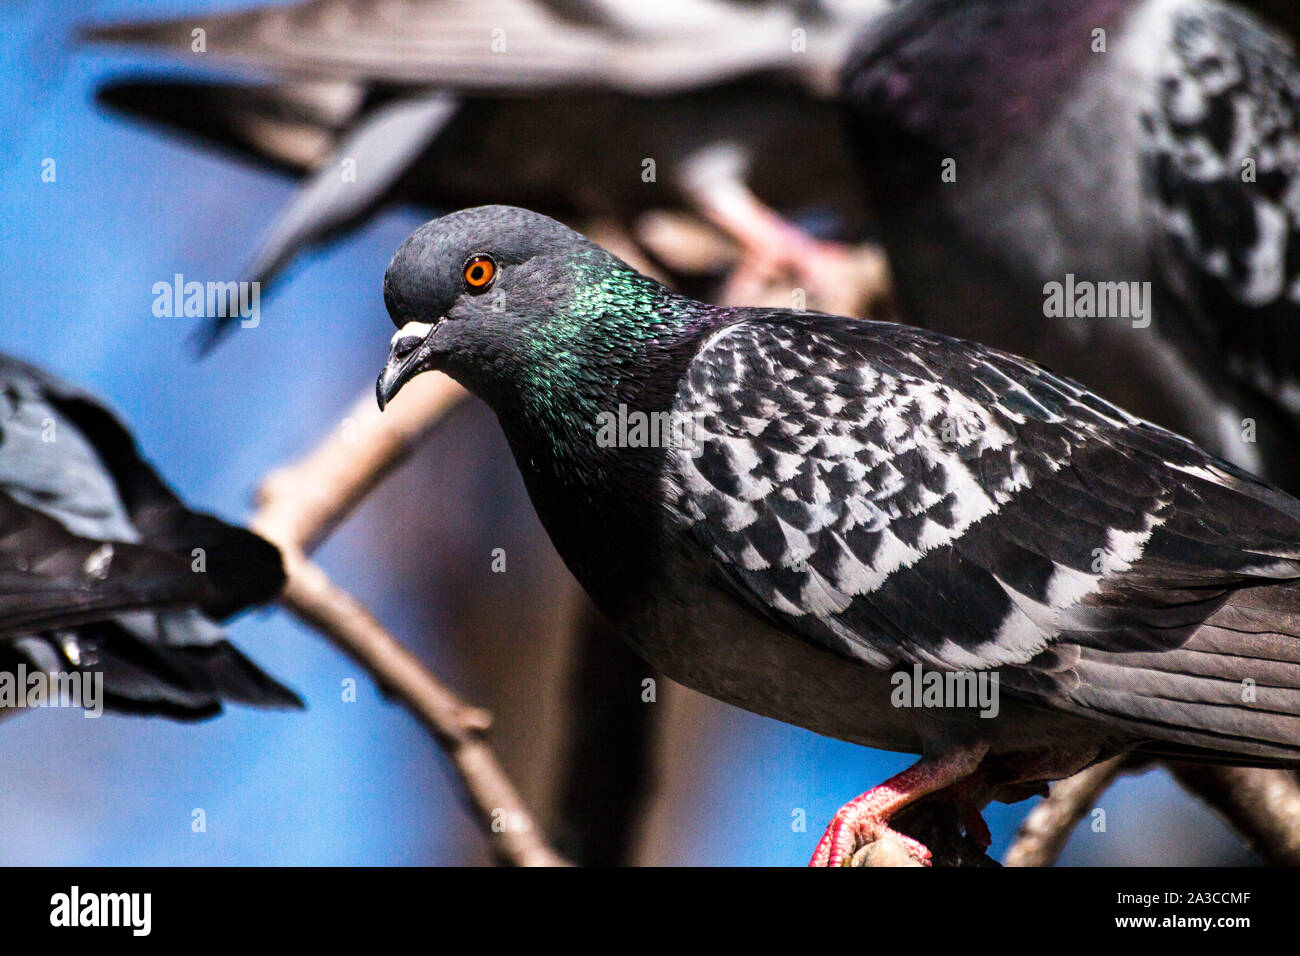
[479, 271]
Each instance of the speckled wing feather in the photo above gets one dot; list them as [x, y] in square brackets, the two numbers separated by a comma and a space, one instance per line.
[1223, 169]
[899, 496]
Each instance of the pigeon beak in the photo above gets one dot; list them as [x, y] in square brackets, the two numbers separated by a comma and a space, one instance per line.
[406, 353]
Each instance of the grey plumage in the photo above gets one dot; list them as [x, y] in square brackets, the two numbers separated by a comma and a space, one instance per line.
[104, 570]
[856, 498]
[899, 498]
[512, 45]
[1113, 141]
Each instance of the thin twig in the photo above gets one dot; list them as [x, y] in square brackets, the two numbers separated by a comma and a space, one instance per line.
[303, 502]
[458, 728]
[1044, 832]
[300, 504]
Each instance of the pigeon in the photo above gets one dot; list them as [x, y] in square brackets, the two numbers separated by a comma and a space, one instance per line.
[804, 515]
[623, 108]
[105, 575]
[1012, 149]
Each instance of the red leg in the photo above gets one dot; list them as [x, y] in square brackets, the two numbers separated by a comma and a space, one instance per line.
[965, 794]
[864, 820]
[1040, 765]
[771, 246]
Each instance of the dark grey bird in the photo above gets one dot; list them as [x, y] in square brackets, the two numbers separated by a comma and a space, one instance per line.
[587, 108]
[796, 513]
[106, 576]
[1012, 149]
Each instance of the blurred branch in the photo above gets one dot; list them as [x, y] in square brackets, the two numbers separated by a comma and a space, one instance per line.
[1263, 806]
[303, 502]
[300, 504]
[1044, 832]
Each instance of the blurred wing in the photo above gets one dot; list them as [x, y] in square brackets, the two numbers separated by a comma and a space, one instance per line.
[898, 496]
[99, 562]
[345, 188]
[517, 44]
[52, 579]
[62, 453]
[294, 125]
[1224, 170]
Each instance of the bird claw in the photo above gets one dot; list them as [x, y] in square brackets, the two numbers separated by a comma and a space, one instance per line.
[852, 828]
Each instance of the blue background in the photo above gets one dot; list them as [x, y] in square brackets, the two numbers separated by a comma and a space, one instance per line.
[342, 783]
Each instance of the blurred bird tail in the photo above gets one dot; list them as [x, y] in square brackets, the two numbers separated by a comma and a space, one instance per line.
[169, 663]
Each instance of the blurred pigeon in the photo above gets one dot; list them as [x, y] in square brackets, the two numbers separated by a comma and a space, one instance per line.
[103, 570]
[1145, 151]
[583, 107]
[793, 512]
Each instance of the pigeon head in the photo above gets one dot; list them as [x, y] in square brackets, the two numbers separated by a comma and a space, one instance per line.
[473, 292]
[521, 310]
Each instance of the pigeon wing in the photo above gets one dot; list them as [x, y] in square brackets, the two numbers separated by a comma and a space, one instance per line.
[53, 579]
[95, 449]
[513, 45]
[901, 497]
[1222, 166]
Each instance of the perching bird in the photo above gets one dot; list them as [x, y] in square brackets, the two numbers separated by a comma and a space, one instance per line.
[104, 571]
[789, 511]
[622, 108]
[1012, 148]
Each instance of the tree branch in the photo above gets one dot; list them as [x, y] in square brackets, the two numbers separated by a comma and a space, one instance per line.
[1263, 806]
[300, 504]
[1045, 831]
[938, 825]
[608, 754]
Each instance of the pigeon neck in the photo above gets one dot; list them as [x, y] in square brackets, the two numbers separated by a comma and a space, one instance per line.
[605, 346]
[613, 355]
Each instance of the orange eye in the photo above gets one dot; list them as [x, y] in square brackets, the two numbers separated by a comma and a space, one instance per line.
[479, 271]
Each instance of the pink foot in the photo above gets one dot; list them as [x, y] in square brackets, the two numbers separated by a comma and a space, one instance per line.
[816, 266]
[865, 819]
[855, 826]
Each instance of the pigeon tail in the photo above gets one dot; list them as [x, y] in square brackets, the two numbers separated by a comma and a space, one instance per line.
[1229, 694]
